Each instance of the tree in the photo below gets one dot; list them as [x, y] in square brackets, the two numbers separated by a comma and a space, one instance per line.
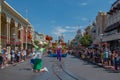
[86, 40]
[36, 42]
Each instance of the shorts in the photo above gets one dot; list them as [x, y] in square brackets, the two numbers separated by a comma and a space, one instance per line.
[1, 63]
[105, 59]
[32, 61]
[37, 64]
[1, 60]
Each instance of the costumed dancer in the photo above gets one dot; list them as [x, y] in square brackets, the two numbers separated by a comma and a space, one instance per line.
[39, 50]
[59, 52]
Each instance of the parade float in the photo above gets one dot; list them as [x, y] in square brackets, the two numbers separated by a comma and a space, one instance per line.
[55, 46]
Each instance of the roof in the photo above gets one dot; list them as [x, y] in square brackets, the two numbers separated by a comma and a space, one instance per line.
[15, 12]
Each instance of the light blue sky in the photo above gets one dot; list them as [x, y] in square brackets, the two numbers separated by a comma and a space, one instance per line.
[55, 17]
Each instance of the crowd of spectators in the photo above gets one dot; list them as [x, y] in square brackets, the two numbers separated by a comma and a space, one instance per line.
[104, 57]
[15, 56]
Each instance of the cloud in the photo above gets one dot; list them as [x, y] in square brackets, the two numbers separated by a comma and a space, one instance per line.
[68, 32]
[110, 2]
[71, 27]
[83, 4]
[64, 29]
[84, 19]
[59, 30]
[69, 36]
[53, 21]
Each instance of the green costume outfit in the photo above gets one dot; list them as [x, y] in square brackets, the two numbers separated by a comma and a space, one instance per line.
[38, 55]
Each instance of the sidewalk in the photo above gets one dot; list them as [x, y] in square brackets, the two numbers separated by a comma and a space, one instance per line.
[13, 64]
[106, 67]
[89, 71]
[100, 65]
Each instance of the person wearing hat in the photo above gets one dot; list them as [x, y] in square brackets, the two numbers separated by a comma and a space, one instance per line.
[39, 51]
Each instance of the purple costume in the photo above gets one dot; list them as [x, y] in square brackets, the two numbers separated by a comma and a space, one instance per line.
[59, 51]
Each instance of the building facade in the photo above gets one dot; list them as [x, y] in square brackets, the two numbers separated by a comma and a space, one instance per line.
[14, 28]
[112, 30]
[97, 28]
[40, 37]
[100, 26]
[76, 41]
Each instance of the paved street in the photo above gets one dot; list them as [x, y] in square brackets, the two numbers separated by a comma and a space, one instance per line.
[88, 71]
[71, 68]
[88, 30]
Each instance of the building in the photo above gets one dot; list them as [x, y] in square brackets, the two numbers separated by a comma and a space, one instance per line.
[61, 37]
[39, 37]
[112, 30]
[99, 27]
[14, 28]
[76, 41]
[93, 31]
[78, 34]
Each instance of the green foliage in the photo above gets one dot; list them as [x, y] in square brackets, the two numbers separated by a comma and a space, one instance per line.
[36, 42]
[63, 47]
[53, 47]
[86, 40]
[45, 45]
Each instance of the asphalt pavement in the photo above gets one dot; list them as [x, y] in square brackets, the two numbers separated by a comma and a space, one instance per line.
[89, 71]
[70, 68]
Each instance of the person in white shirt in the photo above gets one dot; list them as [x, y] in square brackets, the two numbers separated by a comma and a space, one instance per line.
[39, 51]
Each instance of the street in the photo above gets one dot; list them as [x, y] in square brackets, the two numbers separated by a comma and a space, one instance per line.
[85, 33]
[70, 68]
[88, 71]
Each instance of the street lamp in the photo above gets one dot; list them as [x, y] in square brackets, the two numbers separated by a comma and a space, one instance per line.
[101, 37]
[20, 36]
[26, 38]
[14, 40]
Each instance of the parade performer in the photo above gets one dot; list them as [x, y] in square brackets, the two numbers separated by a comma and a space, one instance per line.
[59, 52]
[39, 50]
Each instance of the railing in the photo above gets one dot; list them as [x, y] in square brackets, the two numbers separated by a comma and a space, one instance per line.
[110, 37]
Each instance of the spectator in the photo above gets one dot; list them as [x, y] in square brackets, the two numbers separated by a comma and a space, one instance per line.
[1, 61]
[105, 56]
[12, 52]
[24, 54]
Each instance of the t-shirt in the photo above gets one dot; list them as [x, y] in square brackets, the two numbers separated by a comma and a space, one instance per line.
[42, 50]
[3, 51]
[39, 52]
[106, 54]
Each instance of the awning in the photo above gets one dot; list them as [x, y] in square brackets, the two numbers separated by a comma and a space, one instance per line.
[18, 42]
[113, 26]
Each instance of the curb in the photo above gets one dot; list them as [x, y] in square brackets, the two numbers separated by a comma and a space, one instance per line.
[115, 71]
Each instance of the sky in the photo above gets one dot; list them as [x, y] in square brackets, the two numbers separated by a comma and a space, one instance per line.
[60, 17]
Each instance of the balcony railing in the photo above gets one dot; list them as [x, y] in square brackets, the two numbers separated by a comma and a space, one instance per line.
[111, 37]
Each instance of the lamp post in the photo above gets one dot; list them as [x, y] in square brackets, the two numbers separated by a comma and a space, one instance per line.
[101, 37]
[26, 38]
[14, 40]
[21, 38]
